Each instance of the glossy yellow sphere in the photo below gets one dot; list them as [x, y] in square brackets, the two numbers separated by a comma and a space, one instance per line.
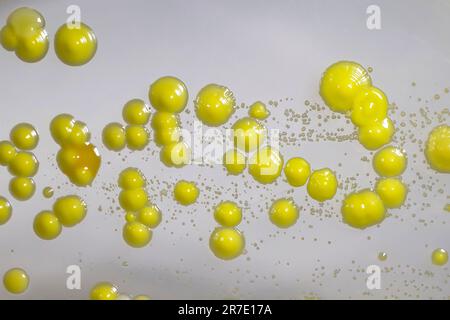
[322, 185]
[24, 164]
[46, 225]
[22, 188]
[24, 136]
[439, 257]
[283, 213]
[185, 192]
[234, 162]
[16, 281]
[376, 134]
[7, 152]
[226, 243]
[137, 137]
[341, 83]
[104, 291]
[61, 128]
[167, 136]
[136, 234]
[392, 191]
[34, 47]
[80, 134]
[248, 134]
[176, 155]
[130, 217]
[370, 105]
[75, 46]
[133, 200]
[131, 178]
[114, 136]
[5, 210]
[228, 214]
[437, 149]
[162, 120]
[214, 105]
[150, 216]
[168, 94]
[259, 111]
[297, 171]
[136, 112]
[265, 165]
[48, 192]
[389, 162]
[363, 209]
[70, 210]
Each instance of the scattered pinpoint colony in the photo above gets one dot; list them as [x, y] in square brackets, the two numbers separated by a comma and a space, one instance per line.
[25, 34]
[78, 159]
[346, 87]
[226, 242]
[141, 215]
[19, 159]
[68, 211]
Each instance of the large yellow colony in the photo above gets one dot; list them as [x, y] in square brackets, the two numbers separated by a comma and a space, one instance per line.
[346, 87]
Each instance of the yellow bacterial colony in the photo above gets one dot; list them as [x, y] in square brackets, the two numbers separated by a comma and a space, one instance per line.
[389, 162]
[226, 243]
[214, 104]
[75, 45]
[322, 185]
[346, 87]
[284, 213]
[297, 171]
[25, 34]
[5, 210]
[78, 159]
[234, 161]
[363, 209]
[439, 257]
[437, 149]
[228, 214]
[248, 134]
[108, 291]
[266, 165]
[259, 111]
[185, 192]
[68, 211]
[16, 281]
[141, 215]
[392, 191]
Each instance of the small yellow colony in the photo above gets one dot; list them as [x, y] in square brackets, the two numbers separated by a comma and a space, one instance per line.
[297, 171]
[363, 209]
[234, 161]
[346, 87]
[392, 191]
[22, 164]
[78, 159]
[389, 162]
[265, 165]
[25, 34]
[68, 211]
[185, 192]
[437, 149]
[141, 215]
[109, 291]
[75, 44]
[16, 281]
[284, 213]
[135, 135]
[322, 185]
[169, 96]
[258, 111]
[214, 105]
[5, 210]
[227, 242]
[439, 257]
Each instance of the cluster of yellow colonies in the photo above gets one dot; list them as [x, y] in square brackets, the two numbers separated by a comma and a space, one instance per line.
[346, 87]
[68, 211]
[141, 215]
[226, 242]
[21, 163]
[108, 291]
[135, 135]
[24, 33]
[78, 159]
